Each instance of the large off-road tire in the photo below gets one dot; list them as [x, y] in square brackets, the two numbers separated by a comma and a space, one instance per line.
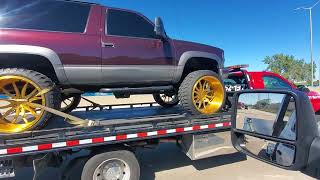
[120, 165]
[70, 102]
[202, 92]
[19, 88]
[166, 100]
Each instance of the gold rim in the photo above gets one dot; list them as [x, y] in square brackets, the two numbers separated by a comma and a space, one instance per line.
[208, 95]
[17, 112]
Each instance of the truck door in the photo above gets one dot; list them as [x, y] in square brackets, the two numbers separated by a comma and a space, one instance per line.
[131, 52]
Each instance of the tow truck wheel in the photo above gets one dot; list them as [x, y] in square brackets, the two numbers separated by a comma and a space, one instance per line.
[202, 92]
[114, 165]
[70, 102]
[166, 100]
[19, 89]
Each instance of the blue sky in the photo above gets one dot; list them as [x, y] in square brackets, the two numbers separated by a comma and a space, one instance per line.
[248, 30]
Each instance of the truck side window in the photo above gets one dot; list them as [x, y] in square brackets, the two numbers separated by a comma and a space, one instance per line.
[123, 23]
[61, 16]
[271, 82]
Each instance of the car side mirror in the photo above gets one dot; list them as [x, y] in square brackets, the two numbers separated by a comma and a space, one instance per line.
[159, 28]
[277, 127]
[303, 88]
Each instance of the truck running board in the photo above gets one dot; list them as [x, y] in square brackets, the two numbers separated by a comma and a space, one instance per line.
[142, 90]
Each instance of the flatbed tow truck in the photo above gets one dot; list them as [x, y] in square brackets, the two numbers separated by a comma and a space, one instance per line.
[112, 133]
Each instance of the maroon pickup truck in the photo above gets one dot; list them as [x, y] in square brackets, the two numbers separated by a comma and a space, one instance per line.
[51, 50]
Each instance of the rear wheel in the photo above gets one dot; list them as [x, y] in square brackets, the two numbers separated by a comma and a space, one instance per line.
[166, 100]
[202, 92]
[70, 102]
[114, 165]
[19, 88]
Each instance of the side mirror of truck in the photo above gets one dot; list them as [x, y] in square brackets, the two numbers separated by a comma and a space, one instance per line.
[159, 28]
[278, 127]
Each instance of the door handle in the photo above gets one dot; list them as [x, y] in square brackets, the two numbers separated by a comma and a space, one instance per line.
[157, 44]
[108, 45]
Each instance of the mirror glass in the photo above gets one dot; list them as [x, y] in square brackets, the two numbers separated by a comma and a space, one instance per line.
[269, 114]
[276, 152]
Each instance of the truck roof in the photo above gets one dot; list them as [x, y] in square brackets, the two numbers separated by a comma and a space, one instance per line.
[80, 1]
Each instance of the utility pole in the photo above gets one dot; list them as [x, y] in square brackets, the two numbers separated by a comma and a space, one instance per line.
[311, 37]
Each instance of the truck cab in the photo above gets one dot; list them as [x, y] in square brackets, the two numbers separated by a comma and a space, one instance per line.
[238, 78]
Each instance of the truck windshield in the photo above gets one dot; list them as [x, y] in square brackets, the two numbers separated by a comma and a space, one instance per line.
[47, 15]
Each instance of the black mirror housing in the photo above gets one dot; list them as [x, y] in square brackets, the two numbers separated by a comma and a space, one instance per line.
[159, 28]
[306, 129]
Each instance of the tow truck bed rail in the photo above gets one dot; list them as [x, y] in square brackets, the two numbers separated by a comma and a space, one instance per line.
[119, 128]
[117, 131]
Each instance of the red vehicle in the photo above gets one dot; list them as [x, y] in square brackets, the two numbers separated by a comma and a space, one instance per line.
[52, 48]
[239, 79]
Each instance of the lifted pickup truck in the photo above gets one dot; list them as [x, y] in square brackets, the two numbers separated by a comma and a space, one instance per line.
[237, 79]
[70, 47]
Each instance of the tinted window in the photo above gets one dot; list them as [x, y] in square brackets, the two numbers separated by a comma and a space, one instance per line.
[46, 15]
[275, 83]
[122, 23]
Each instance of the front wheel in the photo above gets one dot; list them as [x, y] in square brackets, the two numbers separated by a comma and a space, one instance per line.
[166, 100]
[70, 102]
[202, 92]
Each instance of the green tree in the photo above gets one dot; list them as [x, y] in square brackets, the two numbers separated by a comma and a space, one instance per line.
[295, 70]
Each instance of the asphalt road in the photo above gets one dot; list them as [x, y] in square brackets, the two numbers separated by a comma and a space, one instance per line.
[167, 162]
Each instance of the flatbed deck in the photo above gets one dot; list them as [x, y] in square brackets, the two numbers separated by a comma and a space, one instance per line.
[115, 126]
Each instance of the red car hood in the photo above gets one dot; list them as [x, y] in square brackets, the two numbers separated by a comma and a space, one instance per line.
[313, 95]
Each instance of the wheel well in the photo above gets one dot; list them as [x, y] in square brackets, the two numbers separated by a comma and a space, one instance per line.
[195, 64]
[29, 61]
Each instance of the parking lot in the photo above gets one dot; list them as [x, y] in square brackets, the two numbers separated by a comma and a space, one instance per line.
[167, 162]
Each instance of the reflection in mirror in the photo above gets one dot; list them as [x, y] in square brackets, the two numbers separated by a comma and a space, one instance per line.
[269, 114]
[279, 153]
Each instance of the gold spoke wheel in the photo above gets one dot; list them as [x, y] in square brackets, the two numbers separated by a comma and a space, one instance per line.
[208, 94]
[17, 114]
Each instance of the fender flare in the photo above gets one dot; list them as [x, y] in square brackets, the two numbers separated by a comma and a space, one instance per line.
[40, 51]
[186, 56]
